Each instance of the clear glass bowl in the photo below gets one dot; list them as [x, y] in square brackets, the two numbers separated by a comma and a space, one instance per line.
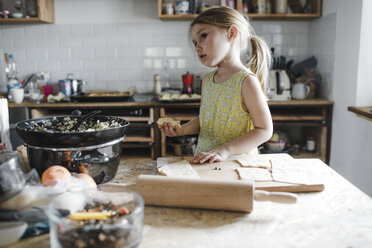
[119, 231]
[12, 179]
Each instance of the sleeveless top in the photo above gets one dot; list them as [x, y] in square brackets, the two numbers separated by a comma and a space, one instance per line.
[221, 115]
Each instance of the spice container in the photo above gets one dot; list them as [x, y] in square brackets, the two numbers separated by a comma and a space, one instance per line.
[157, 85]
[310, 143]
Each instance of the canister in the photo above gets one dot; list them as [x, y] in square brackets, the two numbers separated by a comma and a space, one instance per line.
[65, 86]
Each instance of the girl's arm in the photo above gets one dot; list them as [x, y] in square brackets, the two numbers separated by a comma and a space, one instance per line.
[254, 102]
[191, 127]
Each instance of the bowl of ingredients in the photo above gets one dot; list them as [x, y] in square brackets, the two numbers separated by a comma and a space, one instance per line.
[11, 231]
[12, 179]
[277, 142]
[96, 219]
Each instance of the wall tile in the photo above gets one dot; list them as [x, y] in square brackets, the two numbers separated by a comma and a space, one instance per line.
[81, 29]
[82, 53]
[58, 30]
[47, 42]
[36, 53]
[70, 42]
[71, 65]
[122, 54]
[93, 65]
[96, 41]
[6, 43]
[38, 30]
[59, 53]
[104, 53]
[13, 31]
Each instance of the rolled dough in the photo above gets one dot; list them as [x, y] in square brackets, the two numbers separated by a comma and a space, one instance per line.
[255, 161]
[179, 169]
[254, 174]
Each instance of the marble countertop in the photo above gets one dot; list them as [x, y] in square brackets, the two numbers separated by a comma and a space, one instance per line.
[339, 216]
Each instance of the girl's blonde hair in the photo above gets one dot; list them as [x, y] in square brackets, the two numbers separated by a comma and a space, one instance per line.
[224, 17]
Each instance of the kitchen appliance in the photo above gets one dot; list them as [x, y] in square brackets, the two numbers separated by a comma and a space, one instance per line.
[95, 152]
[187, 81]
[279, 88]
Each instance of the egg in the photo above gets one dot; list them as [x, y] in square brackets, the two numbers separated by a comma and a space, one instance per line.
[55, 173]
[88, 179]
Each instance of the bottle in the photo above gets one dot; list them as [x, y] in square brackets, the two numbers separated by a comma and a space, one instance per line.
[310, 143]
[12, 73]
[157, 85]
[164, 76]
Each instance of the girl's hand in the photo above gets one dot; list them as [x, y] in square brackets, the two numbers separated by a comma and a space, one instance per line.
[214, 155]
[169, 130]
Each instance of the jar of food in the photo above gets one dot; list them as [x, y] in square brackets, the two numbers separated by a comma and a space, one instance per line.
[310, 143]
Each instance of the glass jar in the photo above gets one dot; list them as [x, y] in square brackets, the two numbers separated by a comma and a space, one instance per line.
[310, 143]
[34, 91]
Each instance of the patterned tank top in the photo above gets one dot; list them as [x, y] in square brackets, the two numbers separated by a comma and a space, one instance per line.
[221, 116]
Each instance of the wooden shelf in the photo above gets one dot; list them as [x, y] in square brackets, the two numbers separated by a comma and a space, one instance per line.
[45, 13]
[137, 139]
[365, 112]
[297, 118]
[254, 16]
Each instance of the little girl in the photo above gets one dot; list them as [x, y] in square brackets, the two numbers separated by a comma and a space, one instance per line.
[234, 117]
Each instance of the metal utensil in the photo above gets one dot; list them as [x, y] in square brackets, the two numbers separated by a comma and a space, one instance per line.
[84, 119]
[31, 78]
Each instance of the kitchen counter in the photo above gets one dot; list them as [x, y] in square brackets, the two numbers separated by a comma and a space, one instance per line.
[340, 216]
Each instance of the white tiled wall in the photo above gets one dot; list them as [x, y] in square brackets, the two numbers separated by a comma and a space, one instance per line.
[120, 55]
[322, 36]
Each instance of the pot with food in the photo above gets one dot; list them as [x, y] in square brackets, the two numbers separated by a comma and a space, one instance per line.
[94, 148]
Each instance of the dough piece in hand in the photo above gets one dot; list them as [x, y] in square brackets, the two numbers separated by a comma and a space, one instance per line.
[254, 174]
[178, 169]
[255, 161]
[173, 122]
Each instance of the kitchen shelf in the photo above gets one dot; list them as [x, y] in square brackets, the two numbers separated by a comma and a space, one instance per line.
[45, 14]
[316, 5]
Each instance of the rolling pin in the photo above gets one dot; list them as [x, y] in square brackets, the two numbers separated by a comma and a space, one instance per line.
[232, 195]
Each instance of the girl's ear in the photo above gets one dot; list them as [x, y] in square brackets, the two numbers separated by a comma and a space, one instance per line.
[233, 33]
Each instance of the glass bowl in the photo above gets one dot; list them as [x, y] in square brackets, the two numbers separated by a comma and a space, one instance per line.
[12, 179]
[122, 226]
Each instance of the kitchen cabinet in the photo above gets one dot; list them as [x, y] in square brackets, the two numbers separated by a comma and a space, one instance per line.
[300, 118]
[314, 11]
[45, 14]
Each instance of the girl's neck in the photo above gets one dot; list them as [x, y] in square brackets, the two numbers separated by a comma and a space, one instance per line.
[227, 68]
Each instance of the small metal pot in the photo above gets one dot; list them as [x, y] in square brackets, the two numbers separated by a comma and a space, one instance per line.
[77, 86]
[100, 161]
[12, 179]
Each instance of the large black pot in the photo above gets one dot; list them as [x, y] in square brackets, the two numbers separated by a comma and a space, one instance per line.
[100, 162]
[94, 152]
[70, 139]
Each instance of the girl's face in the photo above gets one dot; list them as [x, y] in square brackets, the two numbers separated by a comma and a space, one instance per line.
[211, 44]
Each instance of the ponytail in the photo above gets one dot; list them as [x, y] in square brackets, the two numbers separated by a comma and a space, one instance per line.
[260, 60]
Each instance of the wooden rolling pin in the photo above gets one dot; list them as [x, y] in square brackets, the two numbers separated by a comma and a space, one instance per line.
[233, 195]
